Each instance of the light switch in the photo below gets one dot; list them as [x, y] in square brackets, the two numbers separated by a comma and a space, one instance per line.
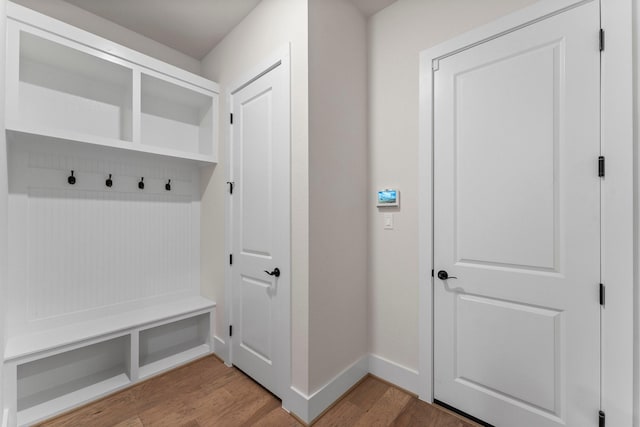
[388, 221]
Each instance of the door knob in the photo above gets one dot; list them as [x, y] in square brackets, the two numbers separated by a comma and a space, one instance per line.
[443, 275]
[275, 272]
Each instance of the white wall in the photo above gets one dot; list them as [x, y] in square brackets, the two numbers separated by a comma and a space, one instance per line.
[268, 28]
[396, 36]
[338, 190]
[80, 18]
[3, 200]
[636, 216]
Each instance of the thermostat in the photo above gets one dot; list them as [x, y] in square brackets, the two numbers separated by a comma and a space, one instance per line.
[388, 198]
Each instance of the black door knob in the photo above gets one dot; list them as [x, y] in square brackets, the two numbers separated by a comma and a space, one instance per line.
[275, 272]
[443, 275]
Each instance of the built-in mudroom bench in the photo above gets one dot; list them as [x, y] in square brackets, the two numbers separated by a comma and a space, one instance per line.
[106, 147]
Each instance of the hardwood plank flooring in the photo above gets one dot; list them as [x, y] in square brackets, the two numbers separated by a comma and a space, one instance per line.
[208, 393]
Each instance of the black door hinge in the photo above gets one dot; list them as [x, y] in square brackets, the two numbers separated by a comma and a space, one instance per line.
[231, 118]
[230, 330]
[601, 39]
[601, 166]
[231, 184]
[601, 419]
[602, 290]
[432, 272]
[230, 259]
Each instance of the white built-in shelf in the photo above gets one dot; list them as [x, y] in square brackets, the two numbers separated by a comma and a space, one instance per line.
[75, 398]
[78, 102]
[71, 378]
[22, 346]
[171, 360]
[59, 369]
[65, 83]
[166, 345]
[176, 117]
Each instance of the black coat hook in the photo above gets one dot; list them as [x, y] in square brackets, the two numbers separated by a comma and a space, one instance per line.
[72, 179]
[141, 183]
[109, 181]
[167, 186]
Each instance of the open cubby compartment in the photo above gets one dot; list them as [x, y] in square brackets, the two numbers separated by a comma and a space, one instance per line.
[64, 87]
[170, 344]
[177, 116]
[52, 384]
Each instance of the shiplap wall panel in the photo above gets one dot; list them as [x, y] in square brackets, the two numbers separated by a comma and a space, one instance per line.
[93, 248]
[85, 248]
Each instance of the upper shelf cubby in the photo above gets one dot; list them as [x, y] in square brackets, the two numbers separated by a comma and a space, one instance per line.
[64, 89]
[176, 117]
[67, 84]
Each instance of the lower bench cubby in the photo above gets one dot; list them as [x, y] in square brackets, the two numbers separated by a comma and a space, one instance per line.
[53, 371]
[71, 378]
[164, 346]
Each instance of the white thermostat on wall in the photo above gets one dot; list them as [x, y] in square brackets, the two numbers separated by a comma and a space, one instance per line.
[388, 198]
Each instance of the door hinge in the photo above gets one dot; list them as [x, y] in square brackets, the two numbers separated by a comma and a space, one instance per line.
[230, 330]
[231, 184]
[230, 259]
[602, 291]
[432, 272]
[601, 39]
[601, 419]
[601, 166]
[231, 118]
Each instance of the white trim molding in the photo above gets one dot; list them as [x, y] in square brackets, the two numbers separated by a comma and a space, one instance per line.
[394, 373]
[5, 418]
[221, 349]
[617, 108]
[618, 258]
[309, 407]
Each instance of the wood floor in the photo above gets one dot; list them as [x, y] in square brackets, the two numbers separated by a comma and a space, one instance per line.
[208, 393]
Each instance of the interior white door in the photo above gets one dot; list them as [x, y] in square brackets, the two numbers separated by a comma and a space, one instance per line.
[260, 223]
[517, 225]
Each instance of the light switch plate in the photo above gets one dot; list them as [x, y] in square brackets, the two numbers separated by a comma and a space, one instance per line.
[388, 221]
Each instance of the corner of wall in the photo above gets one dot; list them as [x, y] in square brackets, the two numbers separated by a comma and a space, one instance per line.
[3, 205]
[337, 188]
[636, 211]
[309, 407]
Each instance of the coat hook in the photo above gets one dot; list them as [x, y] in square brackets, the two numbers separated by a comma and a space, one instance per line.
[141, 183]
[167, 186]
[109, 181]
[72, 179]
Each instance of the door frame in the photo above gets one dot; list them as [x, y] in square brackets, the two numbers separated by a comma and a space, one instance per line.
[618, 394]
[280, 58]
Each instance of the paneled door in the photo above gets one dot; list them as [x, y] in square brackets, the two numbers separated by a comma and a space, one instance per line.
[260, 222]
[517, 225]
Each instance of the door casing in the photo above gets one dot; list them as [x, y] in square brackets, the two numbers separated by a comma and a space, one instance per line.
[617, 203]
[280, 58]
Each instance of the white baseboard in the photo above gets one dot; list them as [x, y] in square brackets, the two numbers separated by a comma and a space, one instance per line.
[307, 408]
[5, 418]
[394, 373]
[296, 402]
[221, 349]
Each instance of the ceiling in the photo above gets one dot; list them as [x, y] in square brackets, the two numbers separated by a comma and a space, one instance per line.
[192, 27]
